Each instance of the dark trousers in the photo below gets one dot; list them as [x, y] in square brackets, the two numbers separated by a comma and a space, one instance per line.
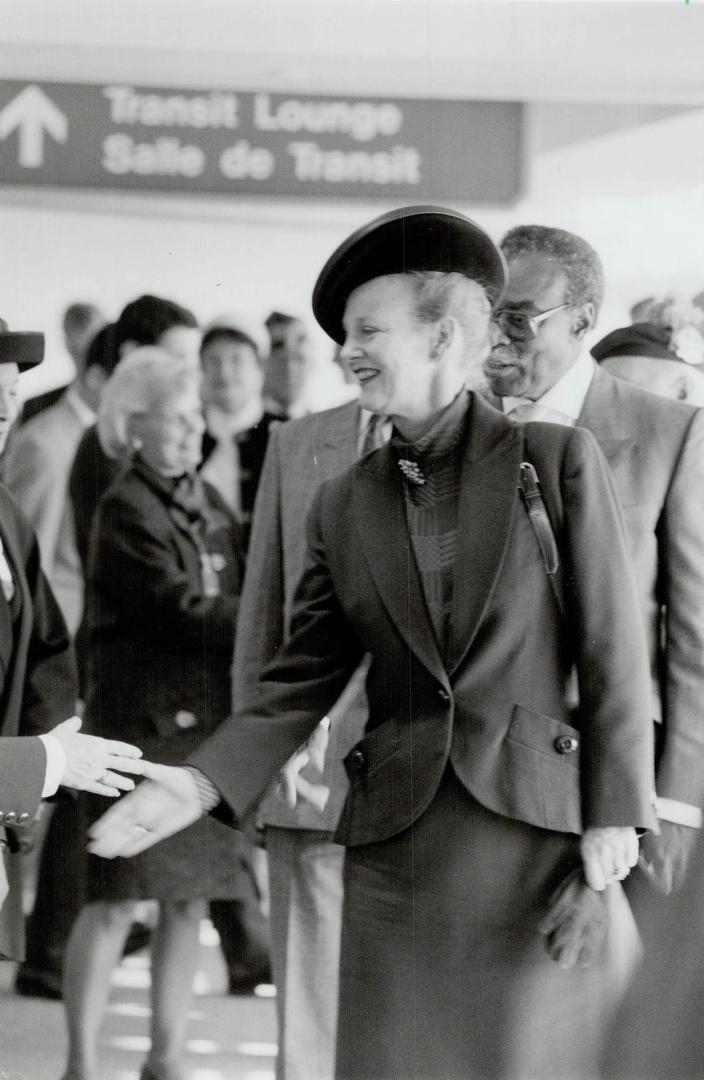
[60, 889]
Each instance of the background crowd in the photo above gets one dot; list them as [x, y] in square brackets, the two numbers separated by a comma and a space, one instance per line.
[169, 493]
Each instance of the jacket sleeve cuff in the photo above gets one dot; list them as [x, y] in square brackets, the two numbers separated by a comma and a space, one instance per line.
[55, 765]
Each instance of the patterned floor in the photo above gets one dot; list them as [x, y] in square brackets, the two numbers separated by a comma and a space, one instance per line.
[230, 1038]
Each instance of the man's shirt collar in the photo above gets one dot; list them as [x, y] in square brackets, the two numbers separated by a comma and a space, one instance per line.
[567, 395]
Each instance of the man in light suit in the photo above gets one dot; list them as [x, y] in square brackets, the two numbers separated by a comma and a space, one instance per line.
[655, 447]
[478, 771]
[305, 866]
[80, 323]
[36, 469]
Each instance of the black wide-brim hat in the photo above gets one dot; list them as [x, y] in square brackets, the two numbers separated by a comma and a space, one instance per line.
[24, 348]
[409, 238]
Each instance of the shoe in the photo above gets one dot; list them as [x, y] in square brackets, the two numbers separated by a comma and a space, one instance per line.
[247, 981]
[165, 1072]
[39, 984]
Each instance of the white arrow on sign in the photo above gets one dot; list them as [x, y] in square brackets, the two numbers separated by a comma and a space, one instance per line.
[33, 113]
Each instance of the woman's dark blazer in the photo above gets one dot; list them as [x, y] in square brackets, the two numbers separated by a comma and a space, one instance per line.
[498, 705]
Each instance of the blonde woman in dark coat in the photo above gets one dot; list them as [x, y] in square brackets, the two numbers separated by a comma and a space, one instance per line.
[163, 585]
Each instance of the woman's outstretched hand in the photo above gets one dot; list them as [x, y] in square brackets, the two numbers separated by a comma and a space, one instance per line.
[164, 803]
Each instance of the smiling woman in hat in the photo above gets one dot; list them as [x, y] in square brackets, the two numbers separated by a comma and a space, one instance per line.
[479, 783]
[37, 679]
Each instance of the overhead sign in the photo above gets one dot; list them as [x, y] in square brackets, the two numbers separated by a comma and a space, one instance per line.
[230, 142]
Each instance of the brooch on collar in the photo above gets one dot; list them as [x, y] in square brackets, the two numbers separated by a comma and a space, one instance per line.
[412, 471]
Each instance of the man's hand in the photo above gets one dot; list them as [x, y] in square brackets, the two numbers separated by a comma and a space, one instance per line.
[313, 751]
[667, 855]
[164, 803]
[94, 764]
[576, 923]
[608, 854]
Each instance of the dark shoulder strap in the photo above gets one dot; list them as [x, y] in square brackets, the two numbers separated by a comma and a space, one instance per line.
[529, 486]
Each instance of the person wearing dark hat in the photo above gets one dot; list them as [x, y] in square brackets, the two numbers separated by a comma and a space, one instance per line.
[539, 367]
[38, 686]
[652, 357]
[479, 783]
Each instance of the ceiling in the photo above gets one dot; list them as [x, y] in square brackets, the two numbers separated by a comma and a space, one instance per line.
[627, 52]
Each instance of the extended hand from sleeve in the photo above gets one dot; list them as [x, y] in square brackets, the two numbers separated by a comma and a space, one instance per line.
[667, 855]
[294, 784]
[164, 803]
[94, 764]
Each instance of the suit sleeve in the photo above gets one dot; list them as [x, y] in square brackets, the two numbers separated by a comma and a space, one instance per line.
[260, 623]
[293, 693]
[681, 582]
[22, 769]
[133, 561]
[618, 784]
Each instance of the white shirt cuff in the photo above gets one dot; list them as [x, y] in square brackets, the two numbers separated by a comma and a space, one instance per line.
[55, 765]
[679, 813]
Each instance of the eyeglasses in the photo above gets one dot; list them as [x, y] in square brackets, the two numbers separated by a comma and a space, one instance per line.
[519, 324]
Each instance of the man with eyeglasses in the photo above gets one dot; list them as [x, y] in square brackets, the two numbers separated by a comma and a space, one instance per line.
[540, 369]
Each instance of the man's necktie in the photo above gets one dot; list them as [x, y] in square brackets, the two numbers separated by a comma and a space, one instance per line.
[375, 436]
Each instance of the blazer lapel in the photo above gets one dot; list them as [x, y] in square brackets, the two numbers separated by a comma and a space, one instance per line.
[380, 513]
[487, 505]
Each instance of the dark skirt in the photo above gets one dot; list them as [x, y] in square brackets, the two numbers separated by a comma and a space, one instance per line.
[207, 860]
[444, 975]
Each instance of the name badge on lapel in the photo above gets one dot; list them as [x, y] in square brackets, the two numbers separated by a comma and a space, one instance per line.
[211, 563]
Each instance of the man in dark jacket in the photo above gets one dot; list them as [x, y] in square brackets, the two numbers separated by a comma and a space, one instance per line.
[38, 685]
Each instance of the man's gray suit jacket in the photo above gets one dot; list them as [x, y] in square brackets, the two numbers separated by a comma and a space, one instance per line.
[36, 469]
[300, 456]
[655, 449]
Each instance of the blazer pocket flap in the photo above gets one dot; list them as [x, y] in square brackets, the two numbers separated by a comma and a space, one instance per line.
[370, 753]
[545, 734]
[394, 772]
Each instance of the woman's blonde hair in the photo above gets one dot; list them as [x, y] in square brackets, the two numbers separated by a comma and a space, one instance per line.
[141, 382]
[439, 294]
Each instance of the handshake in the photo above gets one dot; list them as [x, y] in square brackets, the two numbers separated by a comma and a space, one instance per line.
[168, 801]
